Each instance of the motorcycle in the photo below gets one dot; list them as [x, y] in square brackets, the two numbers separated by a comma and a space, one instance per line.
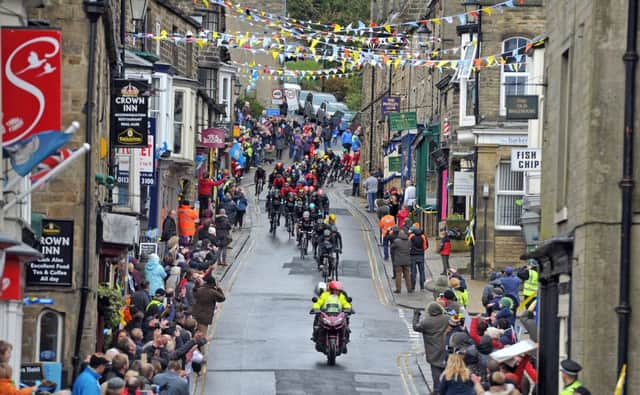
[332, 333]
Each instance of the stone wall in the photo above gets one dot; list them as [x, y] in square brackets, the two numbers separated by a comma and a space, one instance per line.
[63, 197]
[590, 34]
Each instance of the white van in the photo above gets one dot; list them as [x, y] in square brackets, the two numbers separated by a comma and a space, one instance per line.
[292, 91]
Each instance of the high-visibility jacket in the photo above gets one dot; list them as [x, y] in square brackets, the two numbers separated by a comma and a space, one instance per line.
[386, 223]
[327, 298]
[572, 388]
[187, 217]
[531, 284]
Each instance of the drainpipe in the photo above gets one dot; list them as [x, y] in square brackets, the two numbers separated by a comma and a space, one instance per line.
[373, 91]
[626, 184]
[93, 9]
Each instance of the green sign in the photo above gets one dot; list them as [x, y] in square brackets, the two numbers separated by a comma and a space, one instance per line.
[522, 107]
[394, 164]
[402, 121]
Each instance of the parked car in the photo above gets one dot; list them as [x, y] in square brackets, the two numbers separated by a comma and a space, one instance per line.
[337, 106]
[321, 97]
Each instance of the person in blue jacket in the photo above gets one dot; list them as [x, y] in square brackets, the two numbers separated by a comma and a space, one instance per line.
[154, 273]
[87, 381]
[510, 284]
[347, 139]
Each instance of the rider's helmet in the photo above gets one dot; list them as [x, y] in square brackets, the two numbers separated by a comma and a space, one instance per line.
[335, 286]
[334, 229]
[320, 192]
[290, 195]
[279, 165]
[344, 151]
[332, 218]
[306, 215]
[312, 206]
[311, 188]
[320, 288]
[326, 233]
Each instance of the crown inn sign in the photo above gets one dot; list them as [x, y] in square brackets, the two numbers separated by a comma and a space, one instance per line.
[129, 113]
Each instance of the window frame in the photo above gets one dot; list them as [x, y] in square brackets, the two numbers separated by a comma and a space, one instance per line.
[60, 334]
[499, 192]
[182, 122]
[504, 74]
[464, 79]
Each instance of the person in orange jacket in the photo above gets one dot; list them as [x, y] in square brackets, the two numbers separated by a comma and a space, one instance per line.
[187, 219]
[386, 223]
[6, 385]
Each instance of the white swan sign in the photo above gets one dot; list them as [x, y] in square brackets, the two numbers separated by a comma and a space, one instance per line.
[31, 82]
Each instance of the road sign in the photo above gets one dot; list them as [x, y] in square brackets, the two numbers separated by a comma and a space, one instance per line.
[526, 159]
[390, 104]
[402, 121]
[273, 112]
[276, 96]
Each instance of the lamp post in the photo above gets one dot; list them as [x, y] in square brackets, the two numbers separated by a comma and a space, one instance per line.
[138, 11]
[485, 197]
[530, 222]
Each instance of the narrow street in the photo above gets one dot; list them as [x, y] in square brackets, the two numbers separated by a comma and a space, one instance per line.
[262, 332]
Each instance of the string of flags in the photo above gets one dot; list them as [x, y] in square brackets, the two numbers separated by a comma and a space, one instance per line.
[359, 28]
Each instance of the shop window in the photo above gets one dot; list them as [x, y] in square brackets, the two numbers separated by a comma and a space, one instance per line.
[514, 76]
[49, 336]
[509, 194]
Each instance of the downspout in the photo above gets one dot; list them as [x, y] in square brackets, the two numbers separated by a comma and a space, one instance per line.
[626, 184]
[373, 90]
[94, 15]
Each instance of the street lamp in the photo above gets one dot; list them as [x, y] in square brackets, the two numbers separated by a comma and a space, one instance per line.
[138, 9]
[530, 222]
[237, 86]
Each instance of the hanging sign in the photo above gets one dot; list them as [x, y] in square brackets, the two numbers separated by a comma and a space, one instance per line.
[522, 107]
[213, 138]
[31, 82]
[527, 159]
[145, 160]
[148, 248]
[129, 113]
[402, 121]
[462, 183]
[56, 267]
[390, 104]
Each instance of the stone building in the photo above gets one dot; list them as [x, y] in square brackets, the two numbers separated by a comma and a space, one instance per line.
[581, 196]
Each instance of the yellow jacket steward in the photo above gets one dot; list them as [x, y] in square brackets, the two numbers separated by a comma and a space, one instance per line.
[325, 296]
[530, 286]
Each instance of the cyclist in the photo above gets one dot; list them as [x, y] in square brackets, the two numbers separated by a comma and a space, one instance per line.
[259, 178]
[323, 201]
[275, 207]
[326, 247]
[305, 225]
[289, 208]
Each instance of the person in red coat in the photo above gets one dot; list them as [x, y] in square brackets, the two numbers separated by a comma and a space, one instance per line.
[205, 191]
[445, 251]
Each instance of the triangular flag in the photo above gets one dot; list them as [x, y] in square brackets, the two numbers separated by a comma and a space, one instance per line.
[487, 10]
[387, 27]
[491, 59]
[336, 28]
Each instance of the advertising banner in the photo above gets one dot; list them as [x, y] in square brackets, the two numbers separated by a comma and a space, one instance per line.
[129, 113]
[213, 138]
[56, 267]
[31, 82]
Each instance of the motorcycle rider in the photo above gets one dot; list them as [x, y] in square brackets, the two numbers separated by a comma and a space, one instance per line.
[333, 300]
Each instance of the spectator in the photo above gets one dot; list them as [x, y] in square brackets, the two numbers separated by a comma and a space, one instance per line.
[6, 385]
[171, 382]
[409, 194]
[401, 260]
[5, 351]
[87, 382]
[371, 187]
[419, 245]
[355, 191]
[456, 378]
[386, 223]
[187, 219]
[206, 296]
[445, 251]
[169, 228]
[223, 237]
[402, 216]
[241, 208]
[154, 273]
